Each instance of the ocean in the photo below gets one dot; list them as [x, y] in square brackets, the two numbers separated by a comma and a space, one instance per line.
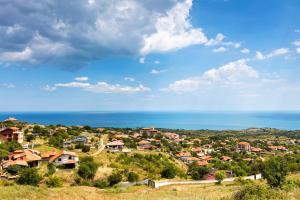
[175, 120]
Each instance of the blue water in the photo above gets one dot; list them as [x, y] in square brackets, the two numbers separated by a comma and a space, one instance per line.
[178, 120]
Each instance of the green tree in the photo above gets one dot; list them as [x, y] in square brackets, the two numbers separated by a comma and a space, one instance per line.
[54, 181]
[87, 168]
[132, 177]
[275, 171]
[220, 175]
[29, 176]
[168, 172]
[198, 172]
[114, 179]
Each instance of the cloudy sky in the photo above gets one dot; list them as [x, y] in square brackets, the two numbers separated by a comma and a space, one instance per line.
[149, 55]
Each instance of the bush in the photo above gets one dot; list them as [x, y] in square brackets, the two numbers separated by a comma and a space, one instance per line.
[13, 169]
[29, 176]
[220, 175]
[275, 171]
[87, 168]
[101, 184]
[51, 169]
[253, 192]
[132, 177]
[198, 172]
[54, 181]
[114, 179]
[168, 172]
[86, 148]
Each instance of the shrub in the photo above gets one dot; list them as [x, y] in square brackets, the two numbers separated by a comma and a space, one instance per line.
[87, 168]
[114, 179]
[13, 169]
[253, 192]
[220, 175]
[29, 176]
[197, 172]
[86, 148]
[275, 171]
[51, 169]
[54, 181]
[132, 177]
[101, 184]
[168, 172]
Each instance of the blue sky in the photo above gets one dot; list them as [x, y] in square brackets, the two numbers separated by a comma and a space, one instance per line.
[153, 55]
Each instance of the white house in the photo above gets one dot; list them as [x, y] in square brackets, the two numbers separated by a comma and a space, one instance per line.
[66, 158]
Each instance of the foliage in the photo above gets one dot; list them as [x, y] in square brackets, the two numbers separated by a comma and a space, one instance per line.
[13, 169]
[275, 171]
[198, 172]
[168, 172]
[29, 176]
[220, 175]
[101, 183]
[114, 179]
[86, 148]
[132, 177]
[54, 181]
[87, 168]
[51, 169]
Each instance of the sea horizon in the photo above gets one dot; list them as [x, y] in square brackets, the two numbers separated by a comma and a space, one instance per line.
[189, 120]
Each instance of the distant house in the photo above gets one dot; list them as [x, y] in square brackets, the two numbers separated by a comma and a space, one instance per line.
[275, 148]
[243, 146]
[11, 119]
[143, 143]
[47, 155]
[256, 150]
[80, 139]
[226, 158]
[183, 155]
[11, 134]
[27, 157]
[201, 163]
[149, 131]
[67, 144]
[190, 160]
[171, 136]
[64, 158]
[116, 145]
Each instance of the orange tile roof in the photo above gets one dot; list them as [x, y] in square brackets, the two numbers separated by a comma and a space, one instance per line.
[201, 163]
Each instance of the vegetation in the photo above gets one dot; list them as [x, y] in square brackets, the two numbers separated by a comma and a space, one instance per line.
[87, 168]
[54, 181]
[275, 171]
[220, 175]
[29, 176]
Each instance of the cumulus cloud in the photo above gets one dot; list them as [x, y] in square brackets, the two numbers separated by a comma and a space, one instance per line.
[44, 32]
[7, 85]
[81, 78]
[219, 50]
[245, 50]
[129, 79]
[173, 30]
[99, 87]
[158, 71]
[233, 73]
[296, 43]
[275, 53]
[298, 50]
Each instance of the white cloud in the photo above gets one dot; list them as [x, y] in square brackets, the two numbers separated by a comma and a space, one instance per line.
[156, 62]
[13, 29]
[216, 41]
[274, 53]
[245, 50]
[233, 73]
[99, 87]
[129, 79]
[81, 78]
[220, 49]
[7, 85]
[296, 43]
[24, 55]
[173, 31]
[298, 50]
[157, 71]
[142, 60]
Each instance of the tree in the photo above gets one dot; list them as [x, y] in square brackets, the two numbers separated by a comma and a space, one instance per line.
[132, 177]
[51, 169]
[86, 148]
[220, 175]
[197, 172]
[87, 168]
[168, 172]
[275, 171]
[3, 154]
[54, 181]
[114, 179]
[29, 176]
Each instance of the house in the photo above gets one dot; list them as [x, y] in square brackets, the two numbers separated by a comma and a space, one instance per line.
[143, 143]
[243, 146]
[255, 150]
[199, 151]
[275, 148]
[149, 131]
[67, 144]
[201, 163]
[207, 158]
[11, 134]
[80, 139]
[226, 158]
[11, 119]
[27, 157]
[116, 145]
[171, 136]
[190, 160]
[47, 155]
[64, 158]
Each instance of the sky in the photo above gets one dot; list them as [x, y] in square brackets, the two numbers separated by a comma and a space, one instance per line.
[150, 55]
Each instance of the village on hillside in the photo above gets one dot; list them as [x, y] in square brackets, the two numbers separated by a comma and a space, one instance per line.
[104, 157]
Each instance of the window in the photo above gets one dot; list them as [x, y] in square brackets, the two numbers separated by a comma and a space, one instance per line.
[59, 159]
[70, 157]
